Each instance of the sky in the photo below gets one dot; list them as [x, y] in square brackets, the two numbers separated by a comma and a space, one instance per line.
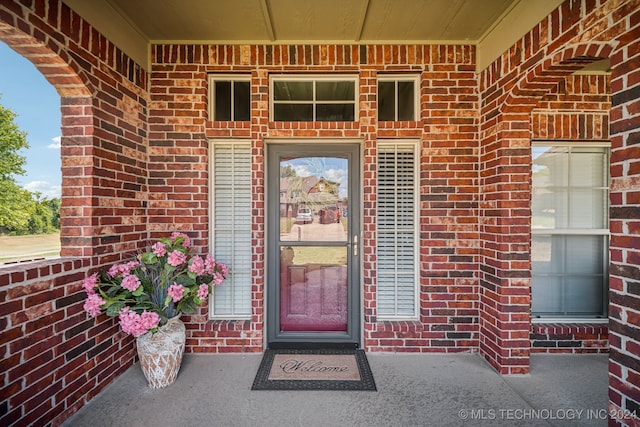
[25, 91]
[331, 168]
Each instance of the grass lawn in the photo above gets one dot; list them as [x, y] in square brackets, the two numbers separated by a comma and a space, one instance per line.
[22, 248]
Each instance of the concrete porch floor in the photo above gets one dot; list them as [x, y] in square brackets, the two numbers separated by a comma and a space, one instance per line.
[413, 390]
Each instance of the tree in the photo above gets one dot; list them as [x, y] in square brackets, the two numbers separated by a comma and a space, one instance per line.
[16, 204]
[12, 139]
[54, 206]
[287, 171]
[16, 207]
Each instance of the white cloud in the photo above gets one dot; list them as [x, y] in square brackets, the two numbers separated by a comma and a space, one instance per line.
[46, 189]
[340, 176]
[56, 143]
[302, 170]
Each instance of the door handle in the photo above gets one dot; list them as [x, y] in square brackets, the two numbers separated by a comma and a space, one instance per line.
[355, 245]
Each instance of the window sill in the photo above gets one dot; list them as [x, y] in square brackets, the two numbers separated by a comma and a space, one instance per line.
[570, 321]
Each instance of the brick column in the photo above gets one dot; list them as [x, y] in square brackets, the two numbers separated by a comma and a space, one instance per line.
[505, 276]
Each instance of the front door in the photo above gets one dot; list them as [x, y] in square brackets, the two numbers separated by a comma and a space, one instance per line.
[313, 287]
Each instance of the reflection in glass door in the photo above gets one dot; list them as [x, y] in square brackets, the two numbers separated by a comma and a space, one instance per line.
[315, 239]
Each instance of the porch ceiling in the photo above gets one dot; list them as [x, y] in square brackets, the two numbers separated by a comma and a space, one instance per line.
[307, 20]
[492, 25]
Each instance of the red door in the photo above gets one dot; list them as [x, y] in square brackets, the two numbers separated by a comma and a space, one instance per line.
[313, 294]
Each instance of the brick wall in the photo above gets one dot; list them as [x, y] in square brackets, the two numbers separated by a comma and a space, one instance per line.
[577, 110]
[54, 357]
[511, 88]
[135, 158]
[569, 338]
[447, 131]
[575, 34]
[624, 295]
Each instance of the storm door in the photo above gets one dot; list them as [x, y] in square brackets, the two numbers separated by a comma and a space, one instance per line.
[313, 287]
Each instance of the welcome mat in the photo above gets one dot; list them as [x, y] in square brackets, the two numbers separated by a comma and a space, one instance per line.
[330, 369]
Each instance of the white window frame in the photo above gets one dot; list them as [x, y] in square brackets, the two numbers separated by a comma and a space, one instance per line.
[414, 145]
[315, 78]
[415, 78]
[604, 232]
[212, 92]
[212, 194]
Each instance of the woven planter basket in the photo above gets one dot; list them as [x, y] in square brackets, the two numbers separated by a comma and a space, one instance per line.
[161, 353]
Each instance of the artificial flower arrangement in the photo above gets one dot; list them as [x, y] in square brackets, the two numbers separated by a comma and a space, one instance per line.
[158, 285]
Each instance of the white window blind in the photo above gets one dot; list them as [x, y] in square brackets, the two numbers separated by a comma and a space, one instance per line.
[569, 225]
[231, 222]
[397, 231]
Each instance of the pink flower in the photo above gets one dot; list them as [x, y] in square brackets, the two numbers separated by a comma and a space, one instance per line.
[217, 278]
[149, 319]
[135, 324]
[176, 258]
[197, 265]
[209, 264]
[203, 291]
[159, 249]
[176, 291]
[187, 241]
[89, 284]
[224, 270]
[114, 270]
[92, 304]
[130, 282]
[119, 270]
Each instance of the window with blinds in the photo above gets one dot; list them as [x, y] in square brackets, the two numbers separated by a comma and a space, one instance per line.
[397, 231]
[231, 228]
[569, 227]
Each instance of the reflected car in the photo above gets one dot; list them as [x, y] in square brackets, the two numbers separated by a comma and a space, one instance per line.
[329, 214]
[304, 216]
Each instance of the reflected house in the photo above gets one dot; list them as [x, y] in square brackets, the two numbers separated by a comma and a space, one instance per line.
[307, 191]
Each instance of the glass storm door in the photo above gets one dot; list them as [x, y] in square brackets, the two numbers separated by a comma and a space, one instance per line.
[313, 289]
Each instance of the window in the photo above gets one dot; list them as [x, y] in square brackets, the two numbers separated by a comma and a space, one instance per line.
[230, 98]
[231, 223]
[397, 231]
[570, 236]
[397, 100]
[309, 99]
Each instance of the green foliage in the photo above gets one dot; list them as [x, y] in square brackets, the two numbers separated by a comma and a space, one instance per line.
[21, 212]
[287, 171]
[16, 207]
[187, 306]
[12, 139]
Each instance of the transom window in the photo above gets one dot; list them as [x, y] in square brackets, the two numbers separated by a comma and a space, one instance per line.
[397, 97]
[230, 97]
[311, 99]
[569, 225]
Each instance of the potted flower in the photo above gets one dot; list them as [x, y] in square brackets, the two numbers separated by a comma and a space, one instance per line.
[148, 295]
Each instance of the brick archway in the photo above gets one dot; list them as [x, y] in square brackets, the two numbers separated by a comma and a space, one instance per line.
[68, 80]
[76, 130]
[505, 229]
[544, 77]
